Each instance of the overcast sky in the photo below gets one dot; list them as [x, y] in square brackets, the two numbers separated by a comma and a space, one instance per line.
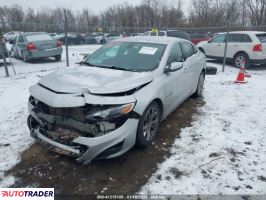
[94, 5]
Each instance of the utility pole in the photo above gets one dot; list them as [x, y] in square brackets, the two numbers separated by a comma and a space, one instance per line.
[225, 48]
[66, 40]
[3, 52]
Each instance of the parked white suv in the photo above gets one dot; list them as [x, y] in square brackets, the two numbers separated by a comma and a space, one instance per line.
[248, 46]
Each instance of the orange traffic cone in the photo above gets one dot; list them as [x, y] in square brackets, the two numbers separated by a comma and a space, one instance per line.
[241, 76]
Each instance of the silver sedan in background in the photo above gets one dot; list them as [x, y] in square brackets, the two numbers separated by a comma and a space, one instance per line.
[34, 45]
[116, 98]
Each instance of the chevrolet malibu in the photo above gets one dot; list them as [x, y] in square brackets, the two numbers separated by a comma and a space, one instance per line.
[116, 98]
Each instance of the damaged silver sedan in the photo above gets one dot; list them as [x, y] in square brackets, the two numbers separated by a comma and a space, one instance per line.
[116, 98]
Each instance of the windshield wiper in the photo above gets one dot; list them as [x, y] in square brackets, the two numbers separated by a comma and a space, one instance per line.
[102, 66]
[87, 64]
[119, 68]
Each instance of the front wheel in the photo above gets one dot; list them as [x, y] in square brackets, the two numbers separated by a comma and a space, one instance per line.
[200, 85]
[148, 125]
[58, 57]
[25, 58]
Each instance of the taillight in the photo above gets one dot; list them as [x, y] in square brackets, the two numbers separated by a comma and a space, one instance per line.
[58, 43]
[257, 48]
[31, 47]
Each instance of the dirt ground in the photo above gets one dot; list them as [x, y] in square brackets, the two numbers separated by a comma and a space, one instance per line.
[123, 175]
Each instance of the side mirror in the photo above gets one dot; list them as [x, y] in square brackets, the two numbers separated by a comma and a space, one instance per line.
[209, 41]
[175, 66]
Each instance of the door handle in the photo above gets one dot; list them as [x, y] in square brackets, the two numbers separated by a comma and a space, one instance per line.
[186, 69]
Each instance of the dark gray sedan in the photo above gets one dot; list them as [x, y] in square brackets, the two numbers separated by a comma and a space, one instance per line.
[29, 46]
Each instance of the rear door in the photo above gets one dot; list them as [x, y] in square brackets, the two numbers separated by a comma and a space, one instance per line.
[20, 45]
[190, 66]
[238, 42]
[174, 81]
[215, 47]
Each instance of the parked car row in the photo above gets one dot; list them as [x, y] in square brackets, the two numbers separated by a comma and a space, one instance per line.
[87, 38]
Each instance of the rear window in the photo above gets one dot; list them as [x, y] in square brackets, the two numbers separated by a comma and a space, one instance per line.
[262, 37]
[178, 34]
[195, 36]
[38, 37]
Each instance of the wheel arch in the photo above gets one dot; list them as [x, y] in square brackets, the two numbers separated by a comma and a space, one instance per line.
[239, 53]
[202, 49]
[160, 104]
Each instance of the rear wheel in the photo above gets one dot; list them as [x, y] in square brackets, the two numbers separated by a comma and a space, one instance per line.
[25, 58]
[58, 57]
[240, 58]
[148, 125]
[200, 85]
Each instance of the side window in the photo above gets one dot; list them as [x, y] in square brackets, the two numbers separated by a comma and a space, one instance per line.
[238, 38]
[246, 38]
[187, 49]
[153, 33]
[218, 39]
[20, 39]
[161, 33]
[146, 33]
[175, 55]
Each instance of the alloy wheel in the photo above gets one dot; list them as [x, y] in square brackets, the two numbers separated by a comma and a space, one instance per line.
[151, 123]
[239, 60]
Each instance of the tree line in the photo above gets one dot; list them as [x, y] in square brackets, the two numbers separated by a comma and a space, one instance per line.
[138, 18]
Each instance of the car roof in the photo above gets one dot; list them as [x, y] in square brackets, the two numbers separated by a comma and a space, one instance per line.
[32, 33]
[151, 39]
[244, 32]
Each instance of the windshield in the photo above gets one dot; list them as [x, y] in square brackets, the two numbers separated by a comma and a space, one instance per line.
[128, 56]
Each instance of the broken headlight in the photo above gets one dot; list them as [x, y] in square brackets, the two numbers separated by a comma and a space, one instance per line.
[112, 112]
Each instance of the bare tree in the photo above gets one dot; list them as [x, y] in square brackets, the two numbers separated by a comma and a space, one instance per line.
[257, 8]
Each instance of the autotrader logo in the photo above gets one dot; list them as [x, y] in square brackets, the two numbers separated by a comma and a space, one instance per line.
[27, 193]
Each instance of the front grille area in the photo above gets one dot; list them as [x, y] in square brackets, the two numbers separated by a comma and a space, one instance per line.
[68, 123]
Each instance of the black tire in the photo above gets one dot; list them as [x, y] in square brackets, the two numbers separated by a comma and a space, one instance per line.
[239, 58]
[200, 86]
[25, 58]
[102, 41]
[12, 53]
[58, 57]
[148, 125]
[211, 70]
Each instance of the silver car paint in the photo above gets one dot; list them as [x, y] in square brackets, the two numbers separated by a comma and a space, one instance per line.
[171, 89]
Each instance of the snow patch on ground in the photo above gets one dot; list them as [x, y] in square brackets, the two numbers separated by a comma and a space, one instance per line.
[14, 94]
[223, 152]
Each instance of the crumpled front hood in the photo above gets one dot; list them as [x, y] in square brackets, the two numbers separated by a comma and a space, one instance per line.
[97, 80]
